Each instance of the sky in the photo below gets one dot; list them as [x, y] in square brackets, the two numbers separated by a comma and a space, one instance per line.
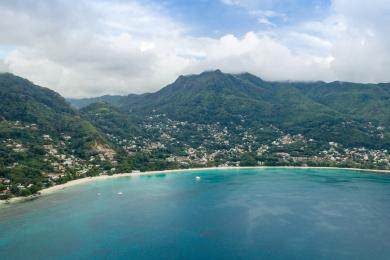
[87, 48]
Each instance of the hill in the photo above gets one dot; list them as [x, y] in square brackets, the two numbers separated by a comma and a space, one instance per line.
[110, 120]
[339, 112]
[209, 119]
[362, 101]
[215, 118]
[81, 103]
[40, 136]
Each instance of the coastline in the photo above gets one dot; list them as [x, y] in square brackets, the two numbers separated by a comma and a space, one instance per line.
[72, 183]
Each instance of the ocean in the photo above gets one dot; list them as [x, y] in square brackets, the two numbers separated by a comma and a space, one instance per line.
[224, 214]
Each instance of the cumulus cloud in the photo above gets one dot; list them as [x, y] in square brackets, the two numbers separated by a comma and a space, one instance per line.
[264, 56]
[362, 49]
[89, 48]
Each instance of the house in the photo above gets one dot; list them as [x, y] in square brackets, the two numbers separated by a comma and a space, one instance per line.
[283, 154]
[47, 137]
[55, 176]
[5, 181]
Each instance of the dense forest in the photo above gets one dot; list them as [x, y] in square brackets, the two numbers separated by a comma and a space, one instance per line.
[210, 119]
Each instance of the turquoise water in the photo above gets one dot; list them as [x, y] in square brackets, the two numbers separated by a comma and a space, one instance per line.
[227, 214]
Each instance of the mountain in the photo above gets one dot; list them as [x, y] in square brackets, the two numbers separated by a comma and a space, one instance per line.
[215, 96]
[25, 102]
[110, 119]
[215, 118]
[221, 93]
[209, 119]
[81, 103]
[336, 111]
[248, 95]
[40, 134]
[22, 100]
[363, 101]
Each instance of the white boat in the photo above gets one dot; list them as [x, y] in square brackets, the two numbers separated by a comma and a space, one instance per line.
[197, 178]
[120, 193]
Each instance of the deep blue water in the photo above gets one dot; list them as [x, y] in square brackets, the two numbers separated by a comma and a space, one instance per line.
[228, 214]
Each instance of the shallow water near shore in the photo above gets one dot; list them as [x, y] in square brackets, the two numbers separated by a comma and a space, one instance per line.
[230, 214]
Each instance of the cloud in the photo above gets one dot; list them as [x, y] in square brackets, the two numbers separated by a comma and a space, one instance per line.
[264, 56]
[3, 67]
[264, 20]
[90, 48]
[231, 2]
[359, 39]
[265, 16]
[363, 47]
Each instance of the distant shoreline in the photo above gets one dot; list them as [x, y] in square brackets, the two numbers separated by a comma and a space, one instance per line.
[72, 183]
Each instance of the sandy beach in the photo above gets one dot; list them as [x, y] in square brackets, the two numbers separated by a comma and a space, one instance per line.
[56, 188]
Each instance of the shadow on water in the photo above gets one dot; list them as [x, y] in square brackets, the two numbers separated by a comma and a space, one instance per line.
[154, 176]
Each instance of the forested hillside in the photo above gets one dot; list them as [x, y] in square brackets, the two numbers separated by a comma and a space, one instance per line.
[40, 136]
[210, 119]
[216, 118]
[337, 111]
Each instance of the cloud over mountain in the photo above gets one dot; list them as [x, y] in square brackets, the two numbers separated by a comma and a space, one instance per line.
[89, 48]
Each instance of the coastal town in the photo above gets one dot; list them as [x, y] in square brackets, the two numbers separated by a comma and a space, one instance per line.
[54, 154]
[172, 144]
[218, 145]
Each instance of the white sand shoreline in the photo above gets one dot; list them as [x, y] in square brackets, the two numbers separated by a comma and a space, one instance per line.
[59, 187]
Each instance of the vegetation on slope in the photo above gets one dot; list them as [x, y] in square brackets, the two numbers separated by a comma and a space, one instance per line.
[210, 119]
